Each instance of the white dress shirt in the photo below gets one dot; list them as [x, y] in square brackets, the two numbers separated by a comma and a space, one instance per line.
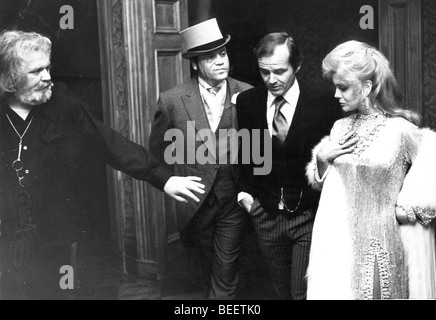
[288, 109]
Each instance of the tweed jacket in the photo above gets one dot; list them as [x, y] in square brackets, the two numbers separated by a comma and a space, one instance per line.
[175, 109]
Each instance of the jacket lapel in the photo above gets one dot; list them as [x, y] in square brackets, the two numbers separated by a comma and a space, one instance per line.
[298, 130]
[232, 88]
[304, 118]
[194, 107]
[261, 100]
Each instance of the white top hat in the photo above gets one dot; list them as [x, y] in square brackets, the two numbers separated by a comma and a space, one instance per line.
[202, 38]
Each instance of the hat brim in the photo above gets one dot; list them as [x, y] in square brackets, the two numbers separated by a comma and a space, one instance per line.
[197, 52]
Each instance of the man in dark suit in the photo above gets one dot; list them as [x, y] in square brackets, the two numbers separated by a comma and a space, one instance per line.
[198, 110]
[281, 205]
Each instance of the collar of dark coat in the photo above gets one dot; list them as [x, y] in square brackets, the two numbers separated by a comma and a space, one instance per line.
[49, 109]
[304, 103]
[232, 85]
[303, 115]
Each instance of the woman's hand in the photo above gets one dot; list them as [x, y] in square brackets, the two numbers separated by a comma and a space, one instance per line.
[405, 215]
[336, 148]
[333, 149]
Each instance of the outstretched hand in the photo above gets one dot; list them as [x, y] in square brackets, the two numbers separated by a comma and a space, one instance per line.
[183, 188]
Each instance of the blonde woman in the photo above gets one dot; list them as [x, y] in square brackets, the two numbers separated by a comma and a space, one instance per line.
[373, 235]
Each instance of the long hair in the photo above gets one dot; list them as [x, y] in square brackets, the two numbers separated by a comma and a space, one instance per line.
[14, 48]
[355, 62]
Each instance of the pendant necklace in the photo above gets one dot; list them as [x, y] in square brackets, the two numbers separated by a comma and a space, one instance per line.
[17, 165]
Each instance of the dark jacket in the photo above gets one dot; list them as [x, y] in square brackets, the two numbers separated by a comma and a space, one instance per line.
[313, 118]
[62, 143]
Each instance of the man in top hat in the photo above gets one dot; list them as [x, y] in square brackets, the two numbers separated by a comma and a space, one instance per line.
[214, 222]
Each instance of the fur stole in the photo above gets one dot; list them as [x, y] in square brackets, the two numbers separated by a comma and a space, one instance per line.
[419, 190]
[310, 167]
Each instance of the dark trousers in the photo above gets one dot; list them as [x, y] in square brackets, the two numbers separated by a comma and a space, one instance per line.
[285, 245]
[218, 231]
[31, 271]
[31, 267]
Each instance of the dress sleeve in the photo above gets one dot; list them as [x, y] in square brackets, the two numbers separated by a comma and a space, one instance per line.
[417, 195]
[312, 174]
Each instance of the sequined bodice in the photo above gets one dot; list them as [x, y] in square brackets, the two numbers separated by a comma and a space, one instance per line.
[366, 128]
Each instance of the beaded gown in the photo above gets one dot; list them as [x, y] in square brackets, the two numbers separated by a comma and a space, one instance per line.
[356, 236]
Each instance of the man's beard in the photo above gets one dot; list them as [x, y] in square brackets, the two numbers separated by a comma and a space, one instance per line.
[37, 95]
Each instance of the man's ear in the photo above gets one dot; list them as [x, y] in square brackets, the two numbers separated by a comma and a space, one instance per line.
[298, 69]
[194, 64]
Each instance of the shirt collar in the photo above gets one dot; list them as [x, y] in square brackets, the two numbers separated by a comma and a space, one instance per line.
[207, 86]
[291, 96]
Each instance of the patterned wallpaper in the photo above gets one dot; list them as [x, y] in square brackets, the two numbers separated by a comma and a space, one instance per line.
[429, 62]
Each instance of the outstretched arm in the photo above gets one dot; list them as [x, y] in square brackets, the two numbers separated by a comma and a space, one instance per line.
[161, 174]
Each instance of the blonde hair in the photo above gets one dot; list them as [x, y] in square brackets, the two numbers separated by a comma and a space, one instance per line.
[14, 47]
[355, 62]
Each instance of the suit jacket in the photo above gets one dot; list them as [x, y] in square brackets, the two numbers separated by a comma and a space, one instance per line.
[313, 119]
[175, 108]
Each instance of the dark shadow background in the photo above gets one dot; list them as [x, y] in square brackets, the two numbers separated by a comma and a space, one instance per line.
[317, 26]
[75, 62]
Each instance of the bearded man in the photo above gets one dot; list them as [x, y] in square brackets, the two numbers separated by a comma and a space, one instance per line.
[48, 140]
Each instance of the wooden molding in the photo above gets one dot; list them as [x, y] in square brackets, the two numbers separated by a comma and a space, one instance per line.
[401, 42]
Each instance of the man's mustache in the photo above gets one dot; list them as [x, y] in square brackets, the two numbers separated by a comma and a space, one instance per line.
[46, 85]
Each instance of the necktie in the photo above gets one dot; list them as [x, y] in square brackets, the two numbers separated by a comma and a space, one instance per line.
[279, 125]
[214, 90]
[214, 106]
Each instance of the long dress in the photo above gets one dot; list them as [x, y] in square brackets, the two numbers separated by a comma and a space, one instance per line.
[356, 236]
